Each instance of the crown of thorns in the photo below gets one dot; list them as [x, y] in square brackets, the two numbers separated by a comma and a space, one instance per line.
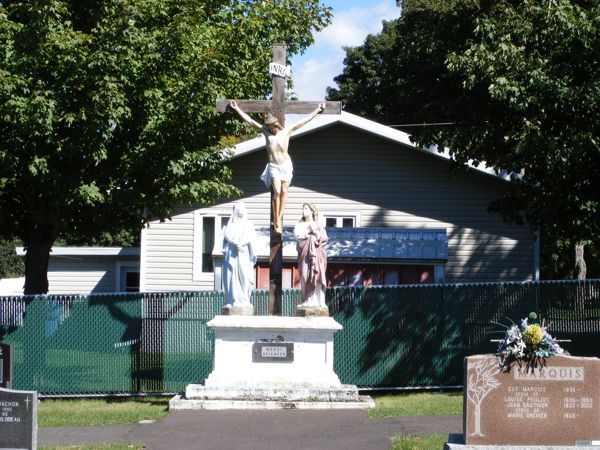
[271, 120]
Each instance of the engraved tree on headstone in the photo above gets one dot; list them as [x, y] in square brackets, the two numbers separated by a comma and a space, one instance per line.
[480, 384]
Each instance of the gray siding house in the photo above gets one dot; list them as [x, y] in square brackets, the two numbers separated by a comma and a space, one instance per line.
[369, 179]
[92, 270]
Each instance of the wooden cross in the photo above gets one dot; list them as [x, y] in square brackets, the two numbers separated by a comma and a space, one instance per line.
[278, 107]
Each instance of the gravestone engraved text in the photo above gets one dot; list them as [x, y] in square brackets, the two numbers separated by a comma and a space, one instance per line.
[555, 403]
[18, 419]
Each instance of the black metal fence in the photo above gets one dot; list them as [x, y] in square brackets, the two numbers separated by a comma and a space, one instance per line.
[398, 336]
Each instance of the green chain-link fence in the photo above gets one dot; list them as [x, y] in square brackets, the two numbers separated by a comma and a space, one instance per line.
[392, 336]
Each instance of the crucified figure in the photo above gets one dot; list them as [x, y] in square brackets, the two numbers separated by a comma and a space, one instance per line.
[279, 170]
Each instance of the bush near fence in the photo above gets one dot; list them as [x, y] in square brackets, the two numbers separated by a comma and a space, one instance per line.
[401, 336]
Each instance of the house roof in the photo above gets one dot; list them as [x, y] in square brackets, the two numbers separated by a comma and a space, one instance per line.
[88, 251]
[387, 243]
[369, 126]
[384, 244]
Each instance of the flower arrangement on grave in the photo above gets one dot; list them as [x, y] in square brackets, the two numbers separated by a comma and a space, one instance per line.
[526, 342]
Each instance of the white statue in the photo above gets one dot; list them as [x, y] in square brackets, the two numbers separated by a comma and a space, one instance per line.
[312, 258]
[238, 259]
[279, 170]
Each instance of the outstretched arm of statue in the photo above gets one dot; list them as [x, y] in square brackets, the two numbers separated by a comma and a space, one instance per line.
[233, 105]
[308, 117]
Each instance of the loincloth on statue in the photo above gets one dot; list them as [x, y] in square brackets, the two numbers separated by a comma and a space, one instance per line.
[282, 172]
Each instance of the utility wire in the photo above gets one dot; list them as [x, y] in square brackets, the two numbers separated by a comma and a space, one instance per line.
[434, 124]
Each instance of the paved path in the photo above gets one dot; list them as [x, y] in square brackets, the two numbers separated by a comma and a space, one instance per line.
[257, 430]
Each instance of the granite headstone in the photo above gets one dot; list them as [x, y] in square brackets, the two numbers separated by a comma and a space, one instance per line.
[555, 403]
[18, 419]
[5, 366]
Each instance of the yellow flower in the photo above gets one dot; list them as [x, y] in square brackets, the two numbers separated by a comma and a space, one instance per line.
[533, 335]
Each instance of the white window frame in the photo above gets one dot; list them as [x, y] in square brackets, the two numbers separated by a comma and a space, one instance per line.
[197, 273]
[125, 266]
[340, 215]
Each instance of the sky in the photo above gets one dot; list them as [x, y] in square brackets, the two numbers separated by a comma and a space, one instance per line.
[352, 21]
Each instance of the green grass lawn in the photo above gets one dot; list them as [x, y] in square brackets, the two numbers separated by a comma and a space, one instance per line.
[417, 404]
[433, 441]
[56, 413]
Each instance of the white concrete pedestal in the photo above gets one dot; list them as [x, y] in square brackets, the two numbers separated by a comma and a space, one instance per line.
[267, 362]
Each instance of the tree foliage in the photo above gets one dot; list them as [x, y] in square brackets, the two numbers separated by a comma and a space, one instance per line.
[515, 82]
[11, 265]
[107, 115]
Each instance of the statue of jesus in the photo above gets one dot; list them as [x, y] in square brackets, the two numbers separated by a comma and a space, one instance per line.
[279, 170]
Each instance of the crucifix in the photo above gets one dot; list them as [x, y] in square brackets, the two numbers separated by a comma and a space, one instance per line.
[278, 173]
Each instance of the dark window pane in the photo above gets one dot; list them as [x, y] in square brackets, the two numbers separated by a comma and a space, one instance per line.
[224, 220]
[132, 282]
[330, 222]
[208, 242]
[347, 222]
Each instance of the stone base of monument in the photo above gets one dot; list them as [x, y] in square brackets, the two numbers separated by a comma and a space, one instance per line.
[456, 442]
[245, 310]
[312, 311]
[270, 362]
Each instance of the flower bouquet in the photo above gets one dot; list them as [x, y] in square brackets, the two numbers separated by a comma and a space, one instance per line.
[526, 342]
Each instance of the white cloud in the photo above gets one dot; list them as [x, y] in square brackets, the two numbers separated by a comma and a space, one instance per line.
[324, 60]
[350, 27]
[313, 76]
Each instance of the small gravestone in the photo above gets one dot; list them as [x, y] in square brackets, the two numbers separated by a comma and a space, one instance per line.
[18, 419]
[5, 366]
[555, 403]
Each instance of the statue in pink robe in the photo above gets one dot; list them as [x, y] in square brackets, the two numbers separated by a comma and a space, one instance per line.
[312, 258]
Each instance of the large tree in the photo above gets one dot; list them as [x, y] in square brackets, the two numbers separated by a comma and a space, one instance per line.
[512, 83]
[107, 113]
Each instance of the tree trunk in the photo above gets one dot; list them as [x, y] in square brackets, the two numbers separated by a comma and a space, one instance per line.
[477, 427]
[38, 243]
[580, 266]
